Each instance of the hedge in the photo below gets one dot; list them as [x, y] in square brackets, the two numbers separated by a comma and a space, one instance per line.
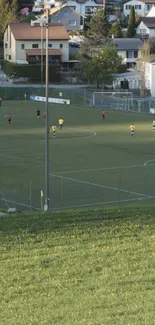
[31, 71]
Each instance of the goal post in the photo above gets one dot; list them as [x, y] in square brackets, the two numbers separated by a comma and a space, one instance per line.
[113, 100]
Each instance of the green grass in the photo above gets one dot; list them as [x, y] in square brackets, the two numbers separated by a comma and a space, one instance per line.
[91, 161]
[89, 267]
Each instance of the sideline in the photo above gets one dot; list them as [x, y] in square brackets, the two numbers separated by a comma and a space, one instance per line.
[102, 186]
[100, 203]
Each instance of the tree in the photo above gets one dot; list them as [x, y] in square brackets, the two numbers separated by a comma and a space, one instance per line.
[87, 21]
[99, 24]
[8, 14]
[28, 18]
[131, 23]
[4, 7]
[144, 57]
[12, 14]
[115, 30]
[101, 67]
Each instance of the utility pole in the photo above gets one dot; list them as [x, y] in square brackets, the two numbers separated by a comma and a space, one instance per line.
[47, 180]
[42, 26]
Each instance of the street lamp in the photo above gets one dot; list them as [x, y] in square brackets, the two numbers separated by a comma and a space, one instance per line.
[47, 181]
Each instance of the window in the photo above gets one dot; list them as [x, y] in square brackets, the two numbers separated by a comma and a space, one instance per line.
[127, 7]
[35, 46]
[72, 22]
[148, 7]
[66, 12]
[138, 7]
[143, 31]
[129, 54]
[22, 46]
[6, 45]
[90, 10]
[135, 54]
[9, 57]
[50, 45]
[61, 46]
[73, 7]
[10, 40]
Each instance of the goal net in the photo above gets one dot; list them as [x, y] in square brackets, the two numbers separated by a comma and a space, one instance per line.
[113, 100]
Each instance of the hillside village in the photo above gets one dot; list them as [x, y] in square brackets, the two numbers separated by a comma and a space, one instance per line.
[84, 37]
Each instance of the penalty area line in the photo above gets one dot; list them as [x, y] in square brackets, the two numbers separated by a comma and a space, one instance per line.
[149, 161]
[100, 203]
[102, 186]
[97, 169]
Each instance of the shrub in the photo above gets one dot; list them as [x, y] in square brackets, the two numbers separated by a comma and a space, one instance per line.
[31, 71]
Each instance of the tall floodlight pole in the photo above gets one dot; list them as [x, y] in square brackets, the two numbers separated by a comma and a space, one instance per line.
[47, 182]
[42, 25]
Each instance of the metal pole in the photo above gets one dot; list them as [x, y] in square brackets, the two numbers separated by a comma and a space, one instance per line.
[47, 184]
[30, 189]
[41, 54]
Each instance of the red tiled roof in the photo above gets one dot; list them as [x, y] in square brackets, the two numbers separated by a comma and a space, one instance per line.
[38, 52]
[24, 31]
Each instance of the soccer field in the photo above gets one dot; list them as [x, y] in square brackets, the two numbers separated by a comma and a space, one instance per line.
[92, 162]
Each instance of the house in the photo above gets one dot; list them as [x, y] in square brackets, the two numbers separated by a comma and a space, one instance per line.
[67, 16]
[128, 49]
[84, 7]
[142, 7]
[147, 70]
[133, 78]
[22, 43]
[146, 28]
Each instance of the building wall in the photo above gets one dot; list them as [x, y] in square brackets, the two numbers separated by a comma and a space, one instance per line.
[147, 75]
[134, 81]
[138, 10]
[17, 51]
[123, 55]
[141, 8]
[9, 46]
[142, 29]
[69, 18]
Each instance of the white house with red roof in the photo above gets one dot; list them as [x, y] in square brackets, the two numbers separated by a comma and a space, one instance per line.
[22, 43]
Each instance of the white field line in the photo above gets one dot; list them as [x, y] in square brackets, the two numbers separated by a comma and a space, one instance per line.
[98, 169]
[102, 186]
[77, 138]
[99, 203]
[148, 161]
[15, 203]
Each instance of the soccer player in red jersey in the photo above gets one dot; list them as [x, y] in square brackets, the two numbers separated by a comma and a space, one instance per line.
[103, 115]
[9, 118]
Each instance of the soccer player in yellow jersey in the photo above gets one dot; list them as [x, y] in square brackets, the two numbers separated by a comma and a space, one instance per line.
[61, 122]
[132, 128]
[153, 125]
[53, 129]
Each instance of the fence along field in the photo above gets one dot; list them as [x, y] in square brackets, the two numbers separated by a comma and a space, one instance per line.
[92, 162]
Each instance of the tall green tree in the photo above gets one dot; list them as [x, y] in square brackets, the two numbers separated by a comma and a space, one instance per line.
[131, 23]
[4, 8]
[8, 14]
[99, 24]
[115, 30]
[12, 14]
[100, 68]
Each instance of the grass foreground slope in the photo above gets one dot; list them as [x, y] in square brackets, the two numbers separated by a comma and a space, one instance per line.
[88, 267]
